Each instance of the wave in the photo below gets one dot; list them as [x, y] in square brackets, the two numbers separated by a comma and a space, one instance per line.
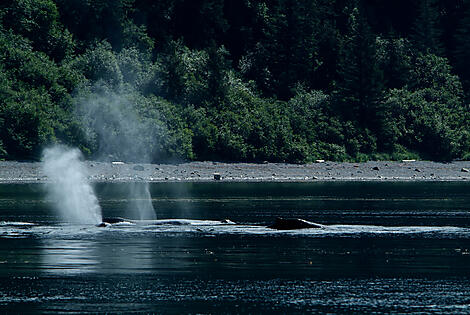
[9, 229]
[13, 223]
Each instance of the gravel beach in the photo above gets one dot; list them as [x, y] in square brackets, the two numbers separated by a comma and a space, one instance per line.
[24, 172]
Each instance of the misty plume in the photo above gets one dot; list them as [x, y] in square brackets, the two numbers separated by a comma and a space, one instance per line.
[72, 194]
[111, 121]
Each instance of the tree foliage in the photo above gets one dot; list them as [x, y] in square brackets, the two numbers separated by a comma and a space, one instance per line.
[277, 80]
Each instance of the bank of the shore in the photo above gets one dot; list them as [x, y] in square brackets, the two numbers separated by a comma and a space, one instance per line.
[21, 172]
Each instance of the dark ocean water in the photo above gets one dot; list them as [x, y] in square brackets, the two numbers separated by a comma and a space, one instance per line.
[387, 247]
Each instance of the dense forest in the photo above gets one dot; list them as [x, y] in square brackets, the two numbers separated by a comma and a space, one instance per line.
[236, 80]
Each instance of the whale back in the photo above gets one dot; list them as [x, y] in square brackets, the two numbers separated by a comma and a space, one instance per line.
[293, 224]
[114, 220]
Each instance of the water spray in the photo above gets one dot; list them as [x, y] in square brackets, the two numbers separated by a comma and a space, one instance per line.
[72, 194]
[112, 120]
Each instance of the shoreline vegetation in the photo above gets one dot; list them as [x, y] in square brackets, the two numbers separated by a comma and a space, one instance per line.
[248, 81]
[116, 172]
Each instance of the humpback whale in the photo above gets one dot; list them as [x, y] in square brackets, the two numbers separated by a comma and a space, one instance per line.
[279, 223]
[115, 220]
[293, 224]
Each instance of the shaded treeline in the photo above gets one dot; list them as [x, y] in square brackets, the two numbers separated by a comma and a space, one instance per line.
[240, 80]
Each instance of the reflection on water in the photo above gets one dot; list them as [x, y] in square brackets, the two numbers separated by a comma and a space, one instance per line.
[75, 257]
[387, 247]
[68, 257]
[75, 250]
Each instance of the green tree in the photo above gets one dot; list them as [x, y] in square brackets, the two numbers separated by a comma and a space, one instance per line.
[359, 84]
[429, 116]
[38, 20]
[98, 20]
[217, 68]
[461, 54]
[427, 32]
[394, 58]
[100, 63]
[286, 45]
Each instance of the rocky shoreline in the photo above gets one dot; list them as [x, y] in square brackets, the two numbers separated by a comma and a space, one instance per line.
[25, 172]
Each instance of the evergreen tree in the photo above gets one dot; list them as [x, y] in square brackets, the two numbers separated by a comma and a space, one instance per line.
[158, 18]
[328, 41]
[217, 81]
[97, 20]
[461, 54]
[301, 42]
[394, 59]
[360, 80]
[286, 50]
[277, 80]
[39, 22]
[199, 22]
[427, 33]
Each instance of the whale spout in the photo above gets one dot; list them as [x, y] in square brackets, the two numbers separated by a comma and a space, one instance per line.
[293, 224]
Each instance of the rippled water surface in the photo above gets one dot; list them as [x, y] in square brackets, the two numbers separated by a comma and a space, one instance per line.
[385, 247]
